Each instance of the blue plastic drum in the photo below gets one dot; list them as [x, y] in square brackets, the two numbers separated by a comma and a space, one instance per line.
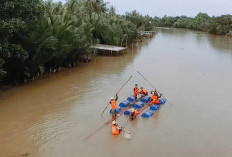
[146, 99]
[147, 114]
[138, 105]
[131, 98]
[118, 110]
[125, 103]
[128, 112]
[155, 107]
[162, 101]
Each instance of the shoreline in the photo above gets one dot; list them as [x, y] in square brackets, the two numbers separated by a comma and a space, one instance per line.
[225, 35]
[83, 60]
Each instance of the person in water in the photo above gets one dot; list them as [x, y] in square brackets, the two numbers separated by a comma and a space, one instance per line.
[133, 114]
[155, 97]
[143, 92]
[116, 130]
[113, 102]
[136, 91]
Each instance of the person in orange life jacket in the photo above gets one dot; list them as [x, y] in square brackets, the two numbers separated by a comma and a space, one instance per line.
[113, 102]
[154, 92]
[136, 91]
[133, 114]
[116, 130]
[154, 97]
[143, 91]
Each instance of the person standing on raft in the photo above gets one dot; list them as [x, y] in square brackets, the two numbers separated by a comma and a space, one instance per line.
[133, 114]
[116, 130]
[136, 91]
[143, 92]
[113, 102]
[154, 97]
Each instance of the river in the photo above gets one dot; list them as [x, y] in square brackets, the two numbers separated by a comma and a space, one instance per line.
[52, 117]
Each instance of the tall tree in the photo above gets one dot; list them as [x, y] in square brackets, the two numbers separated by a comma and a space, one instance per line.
[15, 17]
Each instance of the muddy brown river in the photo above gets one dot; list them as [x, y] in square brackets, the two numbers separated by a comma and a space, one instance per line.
[52, 117]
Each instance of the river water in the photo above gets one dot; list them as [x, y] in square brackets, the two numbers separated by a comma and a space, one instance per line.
[53, 116]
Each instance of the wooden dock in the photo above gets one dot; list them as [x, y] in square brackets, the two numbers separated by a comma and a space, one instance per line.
[147, 33]
[108, 48]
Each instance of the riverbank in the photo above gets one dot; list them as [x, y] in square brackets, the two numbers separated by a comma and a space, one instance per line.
[50, 117]
[220, 25]
[85, 59]
[39, 45]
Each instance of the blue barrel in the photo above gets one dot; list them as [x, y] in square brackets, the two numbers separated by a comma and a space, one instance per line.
[147, 114]
[118, 110]
[131, 98]
[138, 105]
[155, 107]
[124, 103]
[162, 101]
[146, 99]
[128, 112]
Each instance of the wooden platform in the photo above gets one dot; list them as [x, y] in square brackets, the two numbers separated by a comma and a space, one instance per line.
[109, 48]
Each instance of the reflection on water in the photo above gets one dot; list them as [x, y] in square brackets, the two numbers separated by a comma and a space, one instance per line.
[221, 43]
[51, 117]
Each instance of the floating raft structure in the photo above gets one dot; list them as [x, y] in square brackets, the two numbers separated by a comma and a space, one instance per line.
[131, 98]
[123, 104]
[145, 99]
[118, 110]
[153, 108]
[128, 112]
[138, 104]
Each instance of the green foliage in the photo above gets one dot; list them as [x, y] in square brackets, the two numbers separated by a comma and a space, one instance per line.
[2, 71]
[217, 25]
[141, 22]
[38, 36]
[220, 25]
[168, 21]
[183, 22]
[15, 17]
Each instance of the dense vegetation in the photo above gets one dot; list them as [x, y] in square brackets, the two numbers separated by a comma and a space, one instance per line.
[221, 25]
[38, 36]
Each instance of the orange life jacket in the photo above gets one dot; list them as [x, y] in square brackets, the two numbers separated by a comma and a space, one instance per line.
[155, 99]
[113, 104]
[135, 112]
[115, 131]
[136, 91]
[144, 91]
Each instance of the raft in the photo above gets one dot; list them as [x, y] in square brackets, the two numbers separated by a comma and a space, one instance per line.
[124, 103]
[145, 99]
[118, 110]
[147, 114]
[153, 108]
[131, 98]
[162, 101]
[138, 105]
[128, 112]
